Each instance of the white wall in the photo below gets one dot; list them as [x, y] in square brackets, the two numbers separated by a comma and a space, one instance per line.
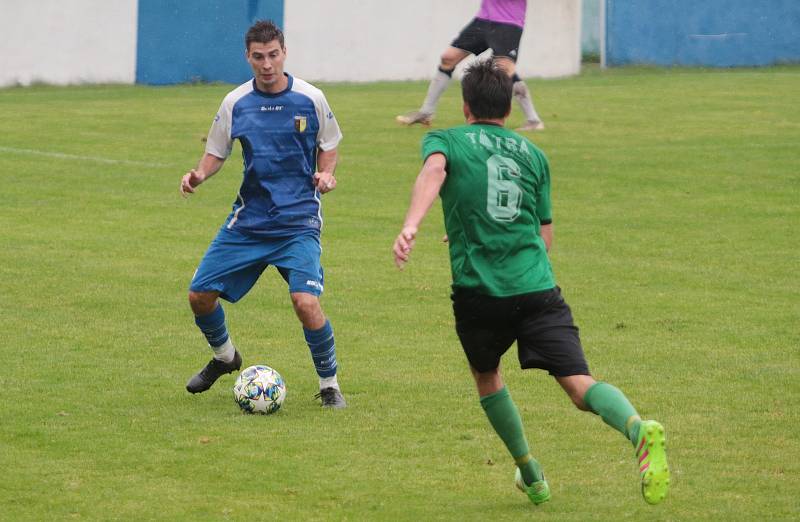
[67, 41]
[368, 40]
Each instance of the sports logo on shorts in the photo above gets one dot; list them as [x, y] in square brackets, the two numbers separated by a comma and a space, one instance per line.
[300, 123]
[314, 284]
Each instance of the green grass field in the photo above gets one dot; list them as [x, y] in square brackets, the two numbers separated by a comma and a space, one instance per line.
[677, 217]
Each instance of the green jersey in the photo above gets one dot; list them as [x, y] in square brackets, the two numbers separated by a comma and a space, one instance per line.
[495, 198]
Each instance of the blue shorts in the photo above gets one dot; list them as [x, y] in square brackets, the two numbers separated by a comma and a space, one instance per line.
[234, 262]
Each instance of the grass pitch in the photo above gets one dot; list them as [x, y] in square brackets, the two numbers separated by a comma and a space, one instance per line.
[677, 209]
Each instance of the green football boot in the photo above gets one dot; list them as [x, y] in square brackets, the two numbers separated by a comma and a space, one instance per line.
[652, 455]
[538, 492]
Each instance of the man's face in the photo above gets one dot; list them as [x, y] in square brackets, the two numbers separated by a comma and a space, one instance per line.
[267, 59]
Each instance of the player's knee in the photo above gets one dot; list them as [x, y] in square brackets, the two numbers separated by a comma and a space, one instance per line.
[447, 63]
[202, 303]
[307, 308]
[507, 66]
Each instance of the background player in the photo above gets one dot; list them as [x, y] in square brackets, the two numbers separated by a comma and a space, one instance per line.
[289, 138]
[495, 189]
[497, 26]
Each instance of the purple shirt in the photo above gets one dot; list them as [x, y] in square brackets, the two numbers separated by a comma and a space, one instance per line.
[503, 11]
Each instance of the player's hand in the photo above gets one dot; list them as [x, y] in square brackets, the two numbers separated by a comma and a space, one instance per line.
[190, 181]
[403, 245]
[324, 181]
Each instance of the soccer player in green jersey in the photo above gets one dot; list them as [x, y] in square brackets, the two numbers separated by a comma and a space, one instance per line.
[495, 190]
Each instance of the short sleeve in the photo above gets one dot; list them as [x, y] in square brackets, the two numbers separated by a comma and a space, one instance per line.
[433, 142]
[219, 142]
[329, 134]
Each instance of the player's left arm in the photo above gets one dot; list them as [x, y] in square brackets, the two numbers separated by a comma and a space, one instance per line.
[546, 231]
[328, 138]
[544, 207]
[324, 178]
[426, 189]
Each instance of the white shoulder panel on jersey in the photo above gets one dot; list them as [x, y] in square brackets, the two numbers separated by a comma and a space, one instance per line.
[219, 142]
[329, 133]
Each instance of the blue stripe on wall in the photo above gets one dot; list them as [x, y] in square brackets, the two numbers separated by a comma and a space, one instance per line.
[200, 40]
[721, 33]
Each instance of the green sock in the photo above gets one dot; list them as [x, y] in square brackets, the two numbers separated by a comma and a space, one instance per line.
[614, 408]
[505, 419]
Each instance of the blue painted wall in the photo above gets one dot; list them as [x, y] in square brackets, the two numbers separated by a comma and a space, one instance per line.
[719, 33]
[197, 40]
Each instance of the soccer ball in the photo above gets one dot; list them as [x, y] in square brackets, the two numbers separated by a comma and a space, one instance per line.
[259, 389]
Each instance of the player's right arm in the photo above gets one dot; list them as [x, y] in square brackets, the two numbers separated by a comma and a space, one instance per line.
[208, 166]
[426, 189]
[218, 146]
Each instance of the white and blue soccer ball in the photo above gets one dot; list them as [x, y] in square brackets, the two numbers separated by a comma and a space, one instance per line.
[259, 389]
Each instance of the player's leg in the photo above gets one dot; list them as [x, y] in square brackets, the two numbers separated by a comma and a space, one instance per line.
[504, 417]
[229, 268]
[550, 340]
[210, 318]
[616, 410]
[318, 333]
[299, 264]
[471, 40]
[533, 122]
[451, 57]
[485, 337]
[504, 40]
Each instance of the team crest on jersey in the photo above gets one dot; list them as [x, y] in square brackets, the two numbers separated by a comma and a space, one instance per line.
[300, 123]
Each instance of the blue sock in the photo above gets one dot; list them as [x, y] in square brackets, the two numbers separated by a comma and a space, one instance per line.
[323, 349]
[213, 326]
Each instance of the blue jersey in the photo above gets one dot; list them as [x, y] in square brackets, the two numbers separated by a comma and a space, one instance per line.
[280, 135]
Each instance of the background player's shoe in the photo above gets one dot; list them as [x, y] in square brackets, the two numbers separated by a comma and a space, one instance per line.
[410, 118]
[331, 398]
[531, 126]
[538, 492]
[213, 371]
[652, 455]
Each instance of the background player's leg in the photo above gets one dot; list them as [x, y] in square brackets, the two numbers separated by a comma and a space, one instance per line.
[451, 57]
[319, 337]
[522, 94]
[505, 419]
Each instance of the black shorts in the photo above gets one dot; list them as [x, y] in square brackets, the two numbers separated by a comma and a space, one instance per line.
[540, 322]
[479, 35]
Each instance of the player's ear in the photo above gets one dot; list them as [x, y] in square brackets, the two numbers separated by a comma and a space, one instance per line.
[467, 112]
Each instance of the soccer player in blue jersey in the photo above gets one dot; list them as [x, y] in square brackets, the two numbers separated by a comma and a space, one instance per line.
[289, 137]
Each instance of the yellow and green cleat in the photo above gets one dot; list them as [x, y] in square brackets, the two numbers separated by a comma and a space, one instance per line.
[652, 455]
[538, 492]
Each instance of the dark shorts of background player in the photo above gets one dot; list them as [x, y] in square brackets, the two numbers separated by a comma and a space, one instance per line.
[540, 322]
[479, 35]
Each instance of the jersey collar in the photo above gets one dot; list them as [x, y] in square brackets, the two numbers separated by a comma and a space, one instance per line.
[270, 94]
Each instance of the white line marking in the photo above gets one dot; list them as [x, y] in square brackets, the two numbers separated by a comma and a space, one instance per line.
[75, 157]
[720, 36]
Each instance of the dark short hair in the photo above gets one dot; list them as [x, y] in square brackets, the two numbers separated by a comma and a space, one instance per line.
[263, 31]
[487, 90]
